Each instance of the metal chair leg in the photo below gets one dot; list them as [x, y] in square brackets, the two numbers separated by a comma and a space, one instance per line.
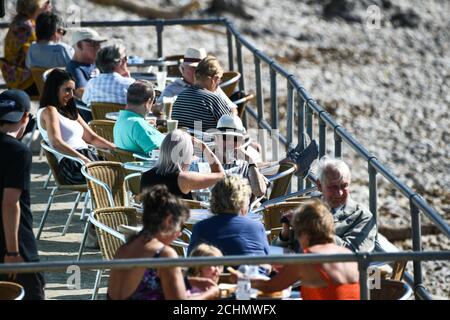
[74, 208]
[44, 216]
[98, 279]
[87, 197]
[83, 241]
[47, 181]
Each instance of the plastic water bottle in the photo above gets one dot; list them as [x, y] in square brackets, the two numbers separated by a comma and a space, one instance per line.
[244, 287]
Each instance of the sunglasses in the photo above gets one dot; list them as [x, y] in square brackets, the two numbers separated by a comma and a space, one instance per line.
[62, 31]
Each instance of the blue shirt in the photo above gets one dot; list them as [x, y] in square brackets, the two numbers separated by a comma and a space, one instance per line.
[133, 133]
[82, 72]
[233, 234]
[49, 55]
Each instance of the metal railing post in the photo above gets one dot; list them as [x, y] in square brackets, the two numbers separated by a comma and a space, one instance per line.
[309, 131]
[290, 119]
[159, 40]
[240, 65]
[373, 192]
[322, 137]
[301, 105]
[230, 49]
[416, 242]
[260, 106]
[363, 279]
[273, 110]
[337, 145]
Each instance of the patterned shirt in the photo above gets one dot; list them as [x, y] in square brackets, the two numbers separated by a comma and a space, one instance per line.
[199, 108]
[107, 87]
[17, 42]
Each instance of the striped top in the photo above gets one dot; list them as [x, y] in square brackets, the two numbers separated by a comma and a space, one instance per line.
[198, 104]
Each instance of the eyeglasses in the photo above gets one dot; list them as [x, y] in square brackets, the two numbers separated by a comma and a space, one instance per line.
[62, 31]
[92, 42]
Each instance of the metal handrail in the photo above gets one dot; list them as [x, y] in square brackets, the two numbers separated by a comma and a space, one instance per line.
[306, 107]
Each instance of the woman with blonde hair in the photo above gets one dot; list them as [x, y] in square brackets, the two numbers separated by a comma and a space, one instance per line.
[176, 154]
[230, 229]
[314, 227]
[199, 104]
[18, 40]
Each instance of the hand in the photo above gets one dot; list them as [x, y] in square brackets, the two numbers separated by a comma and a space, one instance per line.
[8, 259]
[213, 292]
[201, 283]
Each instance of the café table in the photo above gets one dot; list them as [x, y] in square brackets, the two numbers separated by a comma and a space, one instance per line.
[140, 166]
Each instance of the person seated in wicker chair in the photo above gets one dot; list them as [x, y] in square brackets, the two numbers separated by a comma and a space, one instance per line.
[191, 59]
[230, 229]
[49, 51]
[176, 155]
[314, 228]
[210, 272]
[63, 128]
[164, 216]
[199, 102]
[131, 131]
[354, 224]
[112, 84]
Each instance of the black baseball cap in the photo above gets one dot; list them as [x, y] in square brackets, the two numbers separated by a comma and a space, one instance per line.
[13, 104]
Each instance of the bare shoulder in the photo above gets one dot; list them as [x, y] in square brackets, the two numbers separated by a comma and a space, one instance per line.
[168, 252]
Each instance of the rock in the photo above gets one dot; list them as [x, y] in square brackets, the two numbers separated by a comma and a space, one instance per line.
[341, 9]
[235, 7]
[408, 19]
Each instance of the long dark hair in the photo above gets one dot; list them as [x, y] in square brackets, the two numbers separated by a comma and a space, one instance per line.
[49, 97]
[158, 204]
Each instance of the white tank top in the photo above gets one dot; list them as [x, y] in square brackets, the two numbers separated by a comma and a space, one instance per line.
[71, 132]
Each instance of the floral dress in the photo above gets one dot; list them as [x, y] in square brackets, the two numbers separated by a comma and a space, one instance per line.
[20, 35]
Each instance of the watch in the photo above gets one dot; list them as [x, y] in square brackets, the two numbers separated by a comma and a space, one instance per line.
[12, 254]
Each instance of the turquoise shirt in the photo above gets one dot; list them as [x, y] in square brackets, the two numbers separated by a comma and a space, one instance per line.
[133, 133]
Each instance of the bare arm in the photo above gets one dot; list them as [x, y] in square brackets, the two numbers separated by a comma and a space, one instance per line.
[286, 277]
[172, 281]
[11, 220]
[188, 181]
[50, 122]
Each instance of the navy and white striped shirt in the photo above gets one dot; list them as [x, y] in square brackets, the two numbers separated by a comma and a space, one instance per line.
[198, 104]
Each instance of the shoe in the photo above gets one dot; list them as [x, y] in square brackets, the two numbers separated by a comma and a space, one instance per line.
[303, 158]
[92, 240]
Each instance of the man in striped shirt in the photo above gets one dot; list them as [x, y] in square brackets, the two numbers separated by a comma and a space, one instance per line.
[198, 106]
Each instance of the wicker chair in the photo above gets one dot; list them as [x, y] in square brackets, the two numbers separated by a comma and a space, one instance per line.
[106, 222]
[272, 216]
[229, 82]
[106, 183]
[104, 128]
[282, 180]
[11, 291]
[79, 189]
[100, 109]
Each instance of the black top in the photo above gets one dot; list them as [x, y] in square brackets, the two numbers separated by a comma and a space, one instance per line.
[15, 166]
[151, 178]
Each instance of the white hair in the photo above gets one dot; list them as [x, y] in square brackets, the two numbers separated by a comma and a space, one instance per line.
[176, 150]
[328, 165]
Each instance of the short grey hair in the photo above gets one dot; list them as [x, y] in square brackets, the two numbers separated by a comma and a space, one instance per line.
[176, 150]
[140, 92]
[327, 165]
[109, 57]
